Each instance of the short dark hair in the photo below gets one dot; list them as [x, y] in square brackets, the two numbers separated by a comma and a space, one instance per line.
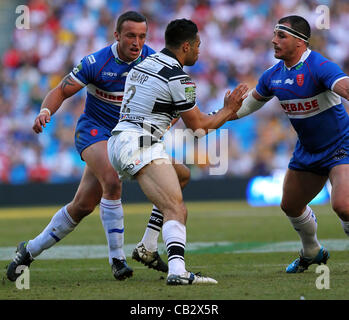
[129, 15]
[297, 23]
[179, 31]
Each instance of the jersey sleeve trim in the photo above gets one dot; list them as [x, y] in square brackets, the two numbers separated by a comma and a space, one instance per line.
[334, 83]
[77, 80]
[265, 97]
[190, 108]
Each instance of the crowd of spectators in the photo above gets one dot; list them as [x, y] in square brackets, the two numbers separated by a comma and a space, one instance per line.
[235, 47]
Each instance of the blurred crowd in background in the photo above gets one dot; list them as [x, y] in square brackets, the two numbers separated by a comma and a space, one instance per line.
[235, 47]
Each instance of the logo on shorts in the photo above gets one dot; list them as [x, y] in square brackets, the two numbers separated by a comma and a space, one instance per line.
[132, 165]
[340, 154]
[94, 132]
[300, 79]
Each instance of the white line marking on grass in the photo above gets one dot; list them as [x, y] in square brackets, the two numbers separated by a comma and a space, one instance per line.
[101, 251]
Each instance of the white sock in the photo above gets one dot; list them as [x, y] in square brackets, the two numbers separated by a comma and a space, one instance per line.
[345, 225]
[60, 225]
[152, 232]
[306, 226]
[112, 216]
[174, 235]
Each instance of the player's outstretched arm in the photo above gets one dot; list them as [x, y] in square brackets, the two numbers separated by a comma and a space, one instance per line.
[342, 88]
[195, 119]
[253, 102]
[53, 100]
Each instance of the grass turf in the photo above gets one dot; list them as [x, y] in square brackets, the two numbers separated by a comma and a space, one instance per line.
[241, 276]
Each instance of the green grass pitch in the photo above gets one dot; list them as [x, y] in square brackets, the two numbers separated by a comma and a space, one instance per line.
[242, 272]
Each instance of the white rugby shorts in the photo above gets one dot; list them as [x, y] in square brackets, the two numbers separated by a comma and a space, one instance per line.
[128, 157]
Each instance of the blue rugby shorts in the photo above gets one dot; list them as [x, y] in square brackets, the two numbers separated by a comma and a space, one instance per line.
[322, 162]
[88, 132]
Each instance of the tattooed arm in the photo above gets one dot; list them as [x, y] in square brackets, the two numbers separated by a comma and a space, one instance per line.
[53, 100]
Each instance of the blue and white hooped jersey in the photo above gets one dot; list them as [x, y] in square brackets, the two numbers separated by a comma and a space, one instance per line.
[105, 74]
[305, 93]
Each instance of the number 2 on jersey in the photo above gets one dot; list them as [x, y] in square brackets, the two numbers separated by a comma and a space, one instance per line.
[131, 91]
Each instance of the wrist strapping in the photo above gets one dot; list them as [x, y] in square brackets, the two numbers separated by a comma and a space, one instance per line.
[249, 105]
[46, 109]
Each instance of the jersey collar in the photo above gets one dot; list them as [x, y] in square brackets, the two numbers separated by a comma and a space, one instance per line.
[117, 59]
[304, 56]
[171, 54]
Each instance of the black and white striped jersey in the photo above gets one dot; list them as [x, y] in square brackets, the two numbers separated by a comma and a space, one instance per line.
[156, 91]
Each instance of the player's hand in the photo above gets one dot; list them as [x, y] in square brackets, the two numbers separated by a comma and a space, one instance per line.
[40, 121]
[233, 99]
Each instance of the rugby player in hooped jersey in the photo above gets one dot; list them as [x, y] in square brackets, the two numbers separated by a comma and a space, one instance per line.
[156, 92]
[104, 74]
[309, 87]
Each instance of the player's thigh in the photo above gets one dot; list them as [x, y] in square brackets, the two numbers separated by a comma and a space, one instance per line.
[339, 178]
[159, 182]
[87, 197]
[183, 172]
[299, 188]
[96, 158]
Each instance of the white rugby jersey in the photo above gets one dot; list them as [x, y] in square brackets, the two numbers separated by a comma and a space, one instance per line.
[156, 91]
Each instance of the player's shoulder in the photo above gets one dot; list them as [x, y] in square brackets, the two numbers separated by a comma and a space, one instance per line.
[317, 60]
[166, 67]
[271, 70]
[172, 69]
[147, 51]
[99, 57]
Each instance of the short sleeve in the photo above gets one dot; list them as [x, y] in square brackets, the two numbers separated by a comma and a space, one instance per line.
[83, 73]
[262, 87]
[183, 92]
[329, 73]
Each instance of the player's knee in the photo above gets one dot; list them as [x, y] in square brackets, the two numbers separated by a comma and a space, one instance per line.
[112, 186]
[284, 207]
[290, 210]
[341, 208]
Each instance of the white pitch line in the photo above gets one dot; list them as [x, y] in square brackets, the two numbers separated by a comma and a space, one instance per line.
[101, 251]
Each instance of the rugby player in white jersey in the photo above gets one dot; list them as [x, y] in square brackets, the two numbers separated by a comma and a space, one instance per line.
[157, 91]
[104, 74]
[309, 87]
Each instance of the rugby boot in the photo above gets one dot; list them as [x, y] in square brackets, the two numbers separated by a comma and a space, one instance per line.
[188, 278]
[22, 258]
[148, 258]
[121, 270]
[302, 263]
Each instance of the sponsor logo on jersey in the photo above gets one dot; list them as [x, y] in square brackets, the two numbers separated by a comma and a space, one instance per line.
[112, 97]
[300, 79]
[301, 107]
[130, 117]
[187, 81]
[276, 81]
[91, 59]
[109, 74]
[289, 81]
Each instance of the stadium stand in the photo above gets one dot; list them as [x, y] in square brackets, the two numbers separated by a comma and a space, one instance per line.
[236, 47]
